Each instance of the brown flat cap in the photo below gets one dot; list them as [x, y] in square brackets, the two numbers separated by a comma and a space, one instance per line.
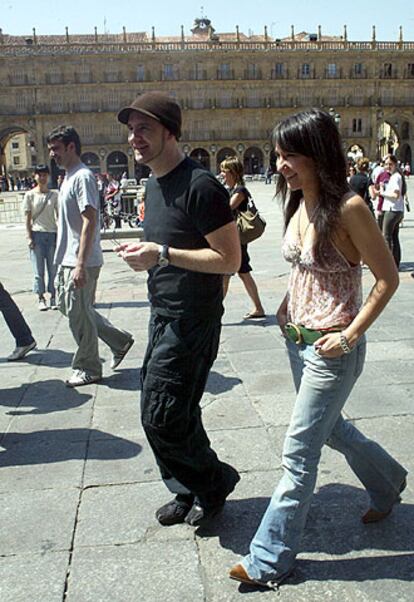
[159, 106]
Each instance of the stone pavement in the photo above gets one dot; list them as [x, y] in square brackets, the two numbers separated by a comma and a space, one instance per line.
[79, 485]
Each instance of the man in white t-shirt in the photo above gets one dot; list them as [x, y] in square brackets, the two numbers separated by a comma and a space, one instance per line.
[79, 260]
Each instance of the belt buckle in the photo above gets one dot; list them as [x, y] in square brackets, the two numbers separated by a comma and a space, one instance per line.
[296, 331]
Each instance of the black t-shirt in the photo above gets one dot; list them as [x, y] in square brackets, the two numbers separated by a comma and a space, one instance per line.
[360, 183]
[180, 209]
[241, 190]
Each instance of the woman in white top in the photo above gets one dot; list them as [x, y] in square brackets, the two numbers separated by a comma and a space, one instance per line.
[41, 209]
[393, 207]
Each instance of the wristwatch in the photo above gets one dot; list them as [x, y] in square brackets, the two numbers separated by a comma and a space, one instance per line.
[163, 256]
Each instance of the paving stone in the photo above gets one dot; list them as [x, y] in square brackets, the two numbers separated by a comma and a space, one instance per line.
[37, 521]
[37, 577]
[152, 571]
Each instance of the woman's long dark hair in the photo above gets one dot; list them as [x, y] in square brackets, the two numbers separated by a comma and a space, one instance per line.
[314, 134]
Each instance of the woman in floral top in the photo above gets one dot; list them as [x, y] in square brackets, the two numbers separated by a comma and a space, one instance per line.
[328, 232]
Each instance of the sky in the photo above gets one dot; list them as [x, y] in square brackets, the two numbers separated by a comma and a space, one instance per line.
[18, 17]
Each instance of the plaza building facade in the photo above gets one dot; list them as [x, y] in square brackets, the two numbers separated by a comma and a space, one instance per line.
[232, 88]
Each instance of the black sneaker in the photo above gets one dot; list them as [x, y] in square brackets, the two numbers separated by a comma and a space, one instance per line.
[176, 510]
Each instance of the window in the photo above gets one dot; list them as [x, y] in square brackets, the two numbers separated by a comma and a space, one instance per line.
[254, 99]
[388, 70]
[168, 71]
[331, 70]
[224, 71]
[112, 100]
[358, 69]
[199, 72]
[225, 100]
[16, 160]
[410, 70]
[305, 70]
[87, 131]
[357, 125]
[112, 75]
[140, 73]
[54, 76]
[83, 73]
[253, 71]
[19, 77]
[15, 145]
[279, 70]
[21, 102]
[199, 101]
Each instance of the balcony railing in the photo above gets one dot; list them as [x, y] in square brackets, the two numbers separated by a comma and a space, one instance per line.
[103, 44]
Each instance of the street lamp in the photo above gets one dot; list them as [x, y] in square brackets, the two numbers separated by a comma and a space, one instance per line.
[186, 149]
[335, 116]
[213, 148]
[240, 148]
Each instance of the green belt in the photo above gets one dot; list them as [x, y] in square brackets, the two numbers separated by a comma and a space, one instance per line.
[299, 334]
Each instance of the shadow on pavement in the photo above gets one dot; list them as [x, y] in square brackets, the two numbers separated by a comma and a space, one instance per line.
[217, 383]
[333, 528]
[269, 320]
[128, 379]
[60, 445]
[42, 397]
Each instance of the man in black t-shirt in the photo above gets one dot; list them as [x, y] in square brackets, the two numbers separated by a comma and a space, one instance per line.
[190, 240]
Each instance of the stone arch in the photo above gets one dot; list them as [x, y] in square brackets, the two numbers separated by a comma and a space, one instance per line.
[202, 156]
[6, 134]
[405, 154]
[91, 160]
[223, 153]
[117, 163]
[253, 161]
[405, 130]
[387, 139]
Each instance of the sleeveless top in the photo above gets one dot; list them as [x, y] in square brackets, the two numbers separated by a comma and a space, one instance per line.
[320, 296]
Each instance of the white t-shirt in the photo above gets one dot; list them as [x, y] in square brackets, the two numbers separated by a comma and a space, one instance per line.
[44, 210]
[78, 191]
[390, 203]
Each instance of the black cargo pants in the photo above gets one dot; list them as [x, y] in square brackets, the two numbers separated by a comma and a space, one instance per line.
[178, 359]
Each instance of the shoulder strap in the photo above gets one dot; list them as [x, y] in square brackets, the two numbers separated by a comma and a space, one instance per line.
[45, 200]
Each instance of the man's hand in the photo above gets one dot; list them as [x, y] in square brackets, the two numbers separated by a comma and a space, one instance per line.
[79, 277]
[30, 243]
[139, 256]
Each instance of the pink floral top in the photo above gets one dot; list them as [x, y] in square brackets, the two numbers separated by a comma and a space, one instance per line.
[320, 296]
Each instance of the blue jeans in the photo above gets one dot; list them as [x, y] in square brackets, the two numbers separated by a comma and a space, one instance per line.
[323, 386]
[42, 254]
[14, 319]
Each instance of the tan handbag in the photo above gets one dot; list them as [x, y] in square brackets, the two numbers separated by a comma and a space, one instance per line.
[250, 223]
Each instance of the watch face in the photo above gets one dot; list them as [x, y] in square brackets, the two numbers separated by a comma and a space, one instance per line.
[163, 262]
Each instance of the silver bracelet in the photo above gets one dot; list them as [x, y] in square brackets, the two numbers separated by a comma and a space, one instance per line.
[344, 343]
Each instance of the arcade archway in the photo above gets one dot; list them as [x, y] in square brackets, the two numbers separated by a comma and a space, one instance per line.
[117, 163]
[202, 156]
[91, 160]
[253, 161]
[223, 154]
[387, 140]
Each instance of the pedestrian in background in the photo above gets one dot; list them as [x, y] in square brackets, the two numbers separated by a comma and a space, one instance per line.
[41, 210]
[17, 325]
[393, 206]
[232, 172]
[328, 231]
[79, 260]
